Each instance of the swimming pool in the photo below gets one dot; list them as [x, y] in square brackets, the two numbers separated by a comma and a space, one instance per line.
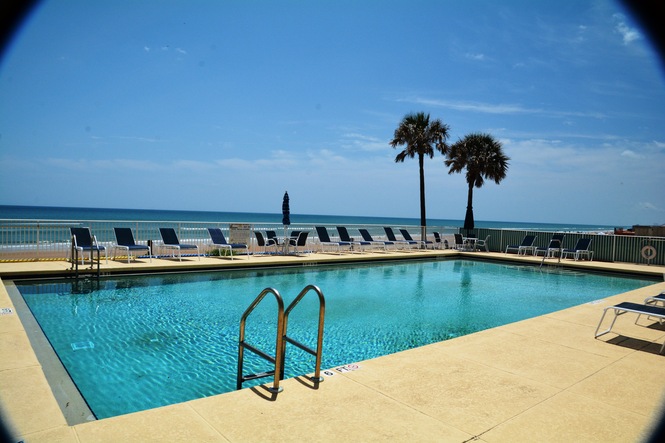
[140, 342]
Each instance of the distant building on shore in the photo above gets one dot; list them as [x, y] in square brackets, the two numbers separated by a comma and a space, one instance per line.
[649, 231]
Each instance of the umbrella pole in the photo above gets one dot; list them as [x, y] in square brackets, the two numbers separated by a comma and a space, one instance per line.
[286, 242]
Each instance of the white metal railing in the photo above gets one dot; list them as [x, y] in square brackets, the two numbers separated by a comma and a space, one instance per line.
[33, 240]
[605, 247]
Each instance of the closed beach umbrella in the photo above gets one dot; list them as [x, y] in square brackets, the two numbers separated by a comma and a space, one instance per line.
[286, 212]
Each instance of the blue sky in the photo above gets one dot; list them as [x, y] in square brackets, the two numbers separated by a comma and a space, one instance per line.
[224, 105]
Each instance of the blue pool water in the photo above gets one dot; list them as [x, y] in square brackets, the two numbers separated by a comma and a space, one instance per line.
[136, 343]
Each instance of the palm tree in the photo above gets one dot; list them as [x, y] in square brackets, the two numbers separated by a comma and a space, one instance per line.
[420, 137]
[483, 158]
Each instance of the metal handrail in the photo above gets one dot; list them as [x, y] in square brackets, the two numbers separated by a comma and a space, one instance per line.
[75, 256]
[556, 240]
[280, 345]
[319, 340]
[277, 360]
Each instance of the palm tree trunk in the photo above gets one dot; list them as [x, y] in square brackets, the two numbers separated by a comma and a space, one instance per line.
[423, 217]
[469, 222]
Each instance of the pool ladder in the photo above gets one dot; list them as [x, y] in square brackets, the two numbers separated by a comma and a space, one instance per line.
[74, 254]
[282, 339]
[542, 262]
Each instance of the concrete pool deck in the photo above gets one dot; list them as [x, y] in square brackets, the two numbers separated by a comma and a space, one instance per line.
[543, 379]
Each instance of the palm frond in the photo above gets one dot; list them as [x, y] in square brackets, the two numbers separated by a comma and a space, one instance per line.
[481, 155]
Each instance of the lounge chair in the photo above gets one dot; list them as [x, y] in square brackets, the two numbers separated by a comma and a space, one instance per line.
[124, 239]
[460, 244]
[555, 246]
[300, 241]
[263, 243]
[272, 236]
[655, 299]
[482, 244]
[324, 240]
[407, 236]
[344, 236]
[636, 308]
[293, 237]
[368, 238]
[390, 235]
[170, 240]
[439, 243]
[219, 242]
[525, 246]
[581, 249]
[83, 240]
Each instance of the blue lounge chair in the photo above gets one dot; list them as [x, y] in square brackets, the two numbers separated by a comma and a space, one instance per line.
[124, 239]
[219, 242]
[407, 236]
[344, 236]
[581, 249]
[636, 308]
[324, 240]
[460, 244]
[439, 243]
[261, 242]
[300, 241]
[368, 238]
[390, 235]
[525, 246]
[272, 236]
[170, 241]
[83, 240]
[555, 246]
[655, 299]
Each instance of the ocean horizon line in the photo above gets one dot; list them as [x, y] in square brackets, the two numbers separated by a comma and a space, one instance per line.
[28, 212]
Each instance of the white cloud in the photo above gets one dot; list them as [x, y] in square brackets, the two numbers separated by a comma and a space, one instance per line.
[581, 33]
[193, 165]
[181, 51]
[360, 142]
[631, 154]
[139, 139]
[627, 33]
[472, 56]
[109, 165]
[500, 108]
[327, 157]
[487, 108]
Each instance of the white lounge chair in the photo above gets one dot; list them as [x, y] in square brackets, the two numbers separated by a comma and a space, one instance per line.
[219, 242]
[636, 308]
[125, 241]
[580, 250]
[525, 246]
[325, 241]
[171, 241]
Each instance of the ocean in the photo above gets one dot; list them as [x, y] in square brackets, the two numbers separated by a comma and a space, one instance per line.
[43, 213]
